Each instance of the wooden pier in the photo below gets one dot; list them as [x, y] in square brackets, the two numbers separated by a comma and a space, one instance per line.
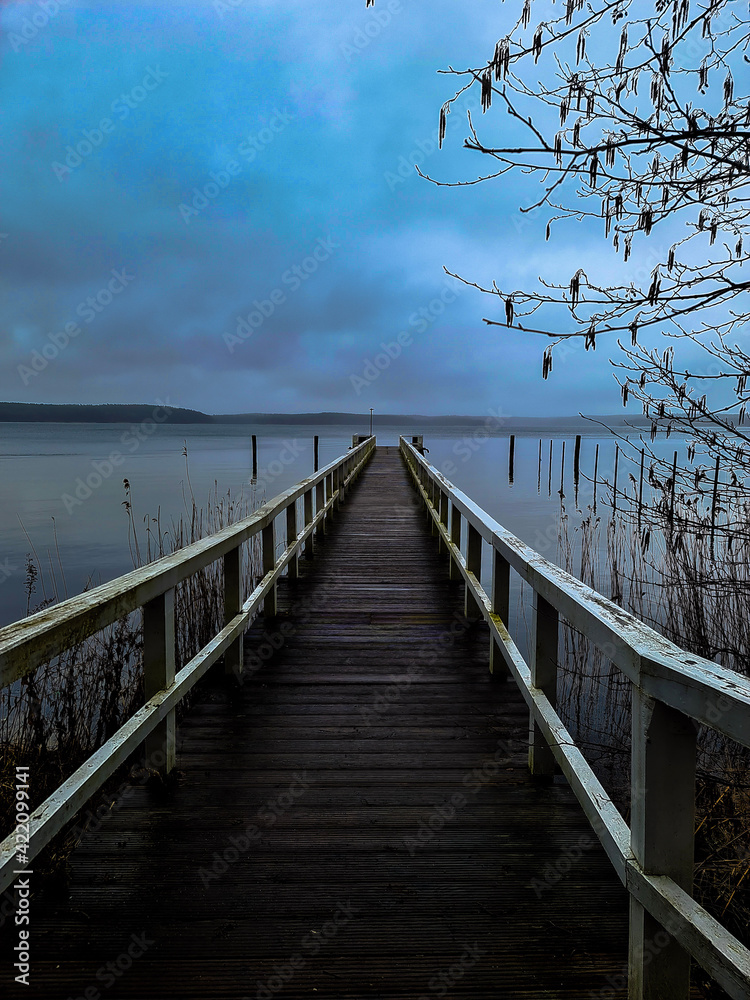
[355, 815]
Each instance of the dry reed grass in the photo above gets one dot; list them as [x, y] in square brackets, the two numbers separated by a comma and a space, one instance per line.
[55, 718]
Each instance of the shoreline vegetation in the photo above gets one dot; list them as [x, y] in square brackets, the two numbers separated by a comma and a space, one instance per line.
[107, 413]
[671, 560]
[60, 714]
[686, 573]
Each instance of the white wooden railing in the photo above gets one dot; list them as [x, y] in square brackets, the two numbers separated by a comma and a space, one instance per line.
[673, 693]
[35, 640]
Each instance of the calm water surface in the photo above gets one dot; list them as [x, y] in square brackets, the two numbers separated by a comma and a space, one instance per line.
[57, 479]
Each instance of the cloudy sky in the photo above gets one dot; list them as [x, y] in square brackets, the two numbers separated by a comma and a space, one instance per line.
[215, 204]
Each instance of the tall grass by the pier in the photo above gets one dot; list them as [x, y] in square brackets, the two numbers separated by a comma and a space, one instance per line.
[689, 578]
[56, 717]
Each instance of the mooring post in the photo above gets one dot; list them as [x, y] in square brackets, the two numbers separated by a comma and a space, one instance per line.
[544, 676]
[549, 481]
[315, 453]
[661, 836]
[562, 471]
[269, 561]
[614, 487]
[511, 458]
[674, 489]
[158, 674]
[501, 607]
[596, 474]
[640, 489]
[232, 606]
[255, 457]
[539, 469]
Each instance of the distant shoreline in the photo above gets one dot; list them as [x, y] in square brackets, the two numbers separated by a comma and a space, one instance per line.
[130, 412]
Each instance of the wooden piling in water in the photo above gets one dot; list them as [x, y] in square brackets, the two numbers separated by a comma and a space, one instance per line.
[674, 488]
[255, 457]
[539, 470]
[596, 472]
[640, 489]
[562, 470]
[511, 458]
[614, 488]
[714, 503]
[549, 484]
[315, 453]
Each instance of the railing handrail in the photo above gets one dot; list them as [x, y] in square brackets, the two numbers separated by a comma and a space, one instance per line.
[31, 641]
[35, 640]
[653, 857]
[643, 654]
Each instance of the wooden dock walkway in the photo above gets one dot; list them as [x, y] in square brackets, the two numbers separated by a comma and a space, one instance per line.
[356, 819]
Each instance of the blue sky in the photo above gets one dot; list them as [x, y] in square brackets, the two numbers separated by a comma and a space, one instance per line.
[215, 205]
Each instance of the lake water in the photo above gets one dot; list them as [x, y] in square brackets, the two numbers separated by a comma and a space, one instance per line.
[60, 492]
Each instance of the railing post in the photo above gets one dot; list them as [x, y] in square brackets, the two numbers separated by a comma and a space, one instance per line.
[336, 485]
[269, 561]
[291, 537]
[434, 494]
[661, 837]
[543, 676]
[443, 501]
[308, 513]
[320, 502]
[453, 571]
[232, 607]
[500, 606]
[474, 565]
[342, 481]
[158, 674]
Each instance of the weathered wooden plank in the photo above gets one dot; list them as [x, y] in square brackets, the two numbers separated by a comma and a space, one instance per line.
[26, 644]
[433, 726]
[710, 694]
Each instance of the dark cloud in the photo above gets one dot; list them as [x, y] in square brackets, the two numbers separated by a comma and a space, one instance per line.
[235, 145]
